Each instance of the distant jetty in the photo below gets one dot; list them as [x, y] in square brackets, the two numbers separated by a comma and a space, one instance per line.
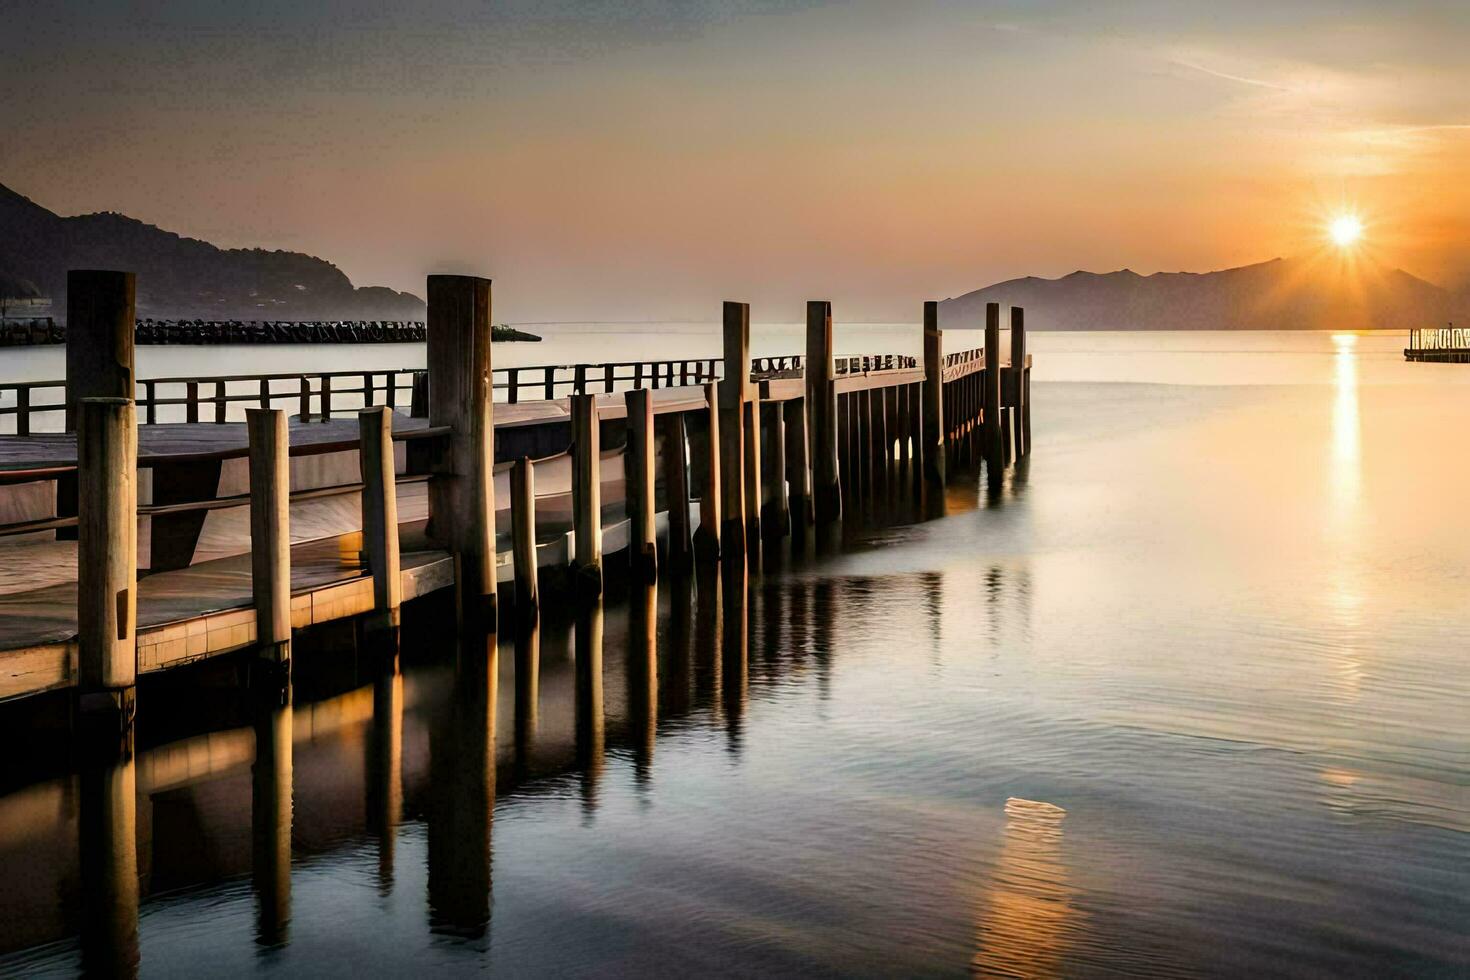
[38, 331]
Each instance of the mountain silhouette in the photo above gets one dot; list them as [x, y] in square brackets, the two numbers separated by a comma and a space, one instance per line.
[183, 277]
[1317, 293]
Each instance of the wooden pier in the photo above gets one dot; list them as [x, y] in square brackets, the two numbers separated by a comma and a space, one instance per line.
[1445, 345]
[354, 506]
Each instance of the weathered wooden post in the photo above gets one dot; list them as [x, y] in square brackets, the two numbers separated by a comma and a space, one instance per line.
[732, 429]
[639, 482]
[270, 531]
[99, 337]
[990, 402]
[753, 494]
[462, 495]
[798, 469]
[676, 492]
[107, 558]
[707, 537]
[934, 435]
[775, 511]
[1018, 378]
[523, 538]
[380, 514]
[821, 412]
[587, 493]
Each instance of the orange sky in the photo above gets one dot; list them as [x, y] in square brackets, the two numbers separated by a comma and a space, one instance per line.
[633, 160]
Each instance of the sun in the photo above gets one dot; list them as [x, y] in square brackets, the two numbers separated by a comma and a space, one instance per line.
[1345, 230]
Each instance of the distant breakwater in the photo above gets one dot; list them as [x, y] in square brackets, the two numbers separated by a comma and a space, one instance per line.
[39, 331]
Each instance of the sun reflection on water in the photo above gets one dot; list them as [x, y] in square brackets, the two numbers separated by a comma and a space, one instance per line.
[1026, 918]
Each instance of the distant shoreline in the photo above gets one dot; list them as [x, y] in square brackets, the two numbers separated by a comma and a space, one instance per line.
[43, 331]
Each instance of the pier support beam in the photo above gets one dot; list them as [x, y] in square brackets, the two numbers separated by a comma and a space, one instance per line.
[1018, 378]
[732, 429]
[798, 468]
[638, 479]
[933, 436]
[107, 559]
[587, 493]
[753, 471]
[707, 537]
[462, 496]
[380, 513]
[99, 337]
[821, 412]
[675, 469]
[270, 531]
[523, 536]
[775, 510]
[991, 444]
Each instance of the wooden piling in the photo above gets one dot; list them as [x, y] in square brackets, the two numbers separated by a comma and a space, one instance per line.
[821, 413]
[587, 492]
[380, 513]
[523, 538]
[732, 429]
[107, 554]
[270, 531]
[800, 500]
[638, 480]
[933, 430]
[462, 495]
[753, 493]
[675, 470]
[991, 446]
[99, 337]
[1018, 378]
[775, 510]
[707, 537]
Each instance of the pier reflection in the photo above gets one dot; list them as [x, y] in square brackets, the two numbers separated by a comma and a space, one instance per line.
[108, 848]
[642, 677]
[590, 723]
[270, 819]
[385, 766]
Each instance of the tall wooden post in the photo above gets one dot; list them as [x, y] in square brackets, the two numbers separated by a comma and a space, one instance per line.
[270, 531]
[587, 492]
[107, 556]
[380, 513]
[775, 511]
[676, 491]
[821, 412]
[933, 428]
[990, 402]
[99, 337]
[462, 495]
[523, 538]
[753, 493]
[639, 483]
[707, 538]
[732, 428]
[798, 469]
[1018, 378]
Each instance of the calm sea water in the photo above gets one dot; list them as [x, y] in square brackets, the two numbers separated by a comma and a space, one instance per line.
[1186, 695]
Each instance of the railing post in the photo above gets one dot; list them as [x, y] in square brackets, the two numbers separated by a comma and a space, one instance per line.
[586, 493]
[676, 491]
[513, 385]
[933, 435]
[707, 537]
[305, 407]
[270, 531]
[23, 410]
[990, 402]
[150, 396]
[821, 413]
[1022, 407]
[462, 495]
[579, 380]
[99, 337]
[550, 382]
[221, 406]
[523, 539]
[732, 429]
[368, 395]
[107, 556]
[380, 512]
[326, 398]
[265, 392]
[798, 470]
[638, 479]
[418, 397]
[191, 401]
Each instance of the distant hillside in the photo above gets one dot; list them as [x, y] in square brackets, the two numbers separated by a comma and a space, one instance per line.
[183, 277]
[1283, 294]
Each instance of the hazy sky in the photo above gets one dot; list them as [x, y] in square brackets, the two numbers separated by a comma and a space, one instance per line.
[646, 159]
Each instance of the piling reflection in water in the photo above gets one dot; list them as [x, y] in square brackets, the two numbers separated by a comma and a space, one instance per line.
[642, 677]
[270, 818]
[735, 649]
[109, 864]
[528, 692]
[385, 766]
[462, 794]
[590, 722]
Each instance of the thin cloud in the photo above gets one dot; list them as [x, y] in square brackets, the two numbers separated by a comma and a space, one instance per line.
[1242, 79]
